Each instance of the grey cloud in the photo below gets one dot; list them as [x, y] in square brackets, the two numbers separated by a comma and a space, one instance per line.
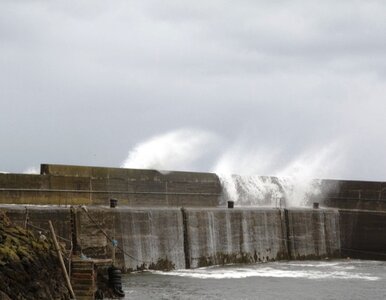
[84, 83]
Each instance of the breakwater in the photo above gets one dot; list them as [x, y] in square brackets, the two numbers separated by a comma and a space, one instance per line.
[76, 185]
[176, 220]
[191, 237]
[353, 194]
[271, 191]
[161, 238]
[82, 185]
[221, 236]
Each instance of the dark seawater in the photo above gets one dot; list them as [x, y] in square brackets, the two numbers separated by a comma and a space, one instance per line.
[336, 279]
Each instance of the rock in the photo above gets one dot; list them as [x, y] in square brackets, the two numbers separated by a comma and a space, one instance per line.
[29, 267]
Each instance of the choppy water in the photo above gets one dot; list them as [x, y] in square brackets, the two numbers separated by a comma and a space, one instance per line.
[337, 279]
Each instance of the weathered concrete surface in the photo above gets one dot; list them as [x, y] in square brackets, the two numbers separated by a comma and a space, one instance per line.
[363, 234]
[313, 234]
[164, 238]
[38, 217]
[74, 185]
[147, 238]
[61, 184]
[136, 187]
[44, 190]
[350, 194]
[220, 236]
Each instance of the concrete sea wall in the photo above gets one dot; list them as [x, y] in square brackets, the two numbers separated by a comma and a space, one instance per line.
[313, 234]
[147, 238]
[363, 234]
[192, 237]
[353, 194]
[221, 236]
[76, 185]
[173, 219]
[160, 238]
[38, 216]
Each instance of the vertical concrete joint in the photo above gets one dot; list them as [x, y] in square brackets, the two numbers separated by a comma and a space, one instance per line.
[287, 233]
[186, 239]
[74, 231]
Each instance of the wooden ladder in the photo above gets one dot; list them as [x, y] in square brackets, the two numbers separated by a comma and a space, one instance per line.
[83, 279]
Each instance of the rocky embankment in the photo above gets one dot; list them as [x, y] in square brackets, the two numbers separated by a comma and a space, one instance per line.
[29, 267]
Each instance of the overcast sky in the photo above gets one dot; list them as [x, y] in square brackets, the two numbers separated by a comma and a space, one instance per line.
[239, 86]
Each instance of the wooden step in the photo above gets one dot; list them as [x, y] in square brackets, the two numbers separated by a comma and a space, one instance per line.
[82, 285]
[84, 293]
[82, 275]
[89, 281]
[82, 267]
[83, 279]
[84, 297]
